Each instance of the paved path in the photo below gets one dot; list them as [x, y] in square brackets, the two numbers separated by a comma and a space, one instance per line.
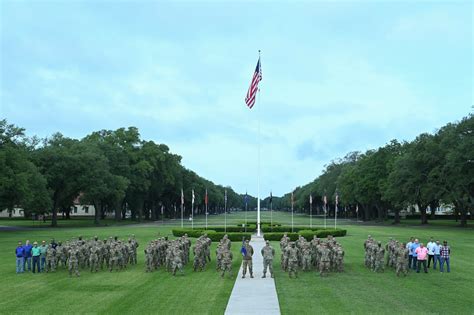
[257, 295]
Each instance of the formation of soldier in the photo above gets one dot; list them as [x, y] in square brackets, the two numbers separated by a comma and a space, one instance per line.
[202, 252]
[224, 256]
[393, 255]
[93, 254]
[321, 255]
[172, 255]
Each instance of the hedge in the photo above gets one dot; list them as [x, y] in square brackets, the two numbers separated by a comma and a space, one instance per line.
[250, 228]
[307, 234]
[215, 236]
[287, 228]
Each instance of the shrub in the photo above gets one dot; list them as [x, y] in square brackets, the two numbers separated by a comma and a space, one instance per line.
[250, 228]
[215, 236]
[308, 234]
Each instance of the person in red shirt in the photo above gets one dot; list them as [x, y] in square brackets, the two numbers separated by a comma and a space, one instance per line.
[421, 254]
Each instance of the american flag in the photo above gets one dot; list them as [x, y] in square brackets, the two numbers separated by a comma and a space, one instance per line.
[252, 92]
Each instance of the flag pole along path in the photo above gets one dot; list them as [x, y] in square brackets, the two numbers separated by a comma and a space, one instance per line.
[250, 98]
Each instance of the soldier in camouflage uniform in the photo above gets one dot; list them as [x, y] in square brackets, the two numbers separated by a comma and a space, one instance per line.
[73, 260]
[401, 260]
[284, 257]
[325, 261]
[268, 254]
[379, 258]
[94, 257]
[51, 259]
[247, 253]
[177, 260]
[292, 253]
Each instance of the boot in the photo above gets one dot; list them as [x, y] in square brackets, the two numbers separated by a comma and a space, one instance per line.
[264, 276]
[251, 275]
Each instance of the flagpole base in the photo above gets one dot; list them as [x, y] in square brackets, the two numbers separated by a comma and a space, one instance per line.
[258, 229]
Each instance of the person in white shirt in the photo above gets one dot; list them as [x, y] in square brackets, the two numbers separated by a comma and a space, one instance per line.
[430, 245]
[410, 257]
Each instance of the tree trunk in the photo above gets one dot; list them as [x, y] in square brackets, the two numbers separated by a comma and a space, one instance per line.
[396, 219]
[463, 218]
[117, 210]
[153, 210]
[97, 212]
[68, 213]
[424, 217]
[366, 212]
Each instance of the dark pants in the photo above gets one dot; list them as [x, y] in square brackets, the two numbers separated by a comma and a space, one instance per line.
[430, 258]
[435, 260]
[420, 262]
[36, 263]
[410, 260]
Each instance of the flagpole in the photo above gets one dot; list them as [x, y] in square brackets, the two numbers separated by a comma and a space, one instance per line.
[225, 211]
[206, 208]
[271, 215]
[311, 212]
[335, 217]
[182, 222]
[258, 166]
[325, 214]
[291, 212]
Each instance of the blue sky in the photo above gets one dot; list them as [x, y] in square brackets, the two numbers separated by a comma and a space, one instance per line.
[337, 77]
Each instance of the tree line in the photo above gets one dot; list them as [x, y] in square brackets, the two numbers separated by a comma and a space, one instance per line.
[114, 170]
[431, 170]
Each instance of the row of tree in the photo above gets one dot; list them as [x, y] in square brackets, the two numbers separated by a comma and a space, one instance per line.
[431, 170]
[114, 170]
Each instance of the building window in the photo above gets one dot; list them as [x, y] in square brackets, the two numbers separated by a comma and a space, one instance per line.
[86, 209]
[75, 209]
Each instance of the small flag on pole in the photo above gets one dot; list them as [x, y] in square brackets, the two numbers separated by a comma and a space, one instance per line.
[357, 209]
[246, 198]
[310, 199]
[225, 196]
[325, 200]
[252, 92]
[182, 197]
[271, 198]
[206, 199]
[193, 196]
[292, 200]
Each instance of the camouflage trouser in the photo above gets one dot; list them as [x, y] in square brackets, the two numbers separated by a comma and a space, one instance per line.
[226, 266]
[339, 265]
[324, 268]
[306, 262]
[94, 263]
[402, 268]
[379, 265]
[284, 262]
[293, 268]
[148, 262]
[50, 264]
[267, 263]
[247, 263]
[176, 266]
[73, 266]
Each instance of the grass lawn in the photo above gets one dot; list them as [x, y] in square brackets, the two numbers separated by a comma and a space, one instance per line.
[130, 291]
[357, 290]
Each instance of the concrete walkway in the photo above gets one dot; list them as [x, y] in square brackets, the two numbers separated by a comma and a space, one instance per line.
[257, 295]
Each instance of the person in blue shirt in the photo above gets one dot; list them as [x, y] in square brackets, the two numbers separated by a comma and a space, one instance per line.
[27, 255]
[436, 251]
[19, 258]
[413, 248]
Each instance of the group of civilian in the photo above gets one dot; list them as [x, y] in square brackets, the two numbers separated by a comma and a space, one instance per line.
[32, 254]
[419, 255]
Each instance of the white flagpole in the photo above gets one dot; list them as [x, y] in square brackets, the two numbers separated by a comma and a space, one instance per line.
[271, 212]
[225, 211]
[182, 210]
[192, 211]
[310, 211]
[258, 167]
[292, 212]
[207, 201]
